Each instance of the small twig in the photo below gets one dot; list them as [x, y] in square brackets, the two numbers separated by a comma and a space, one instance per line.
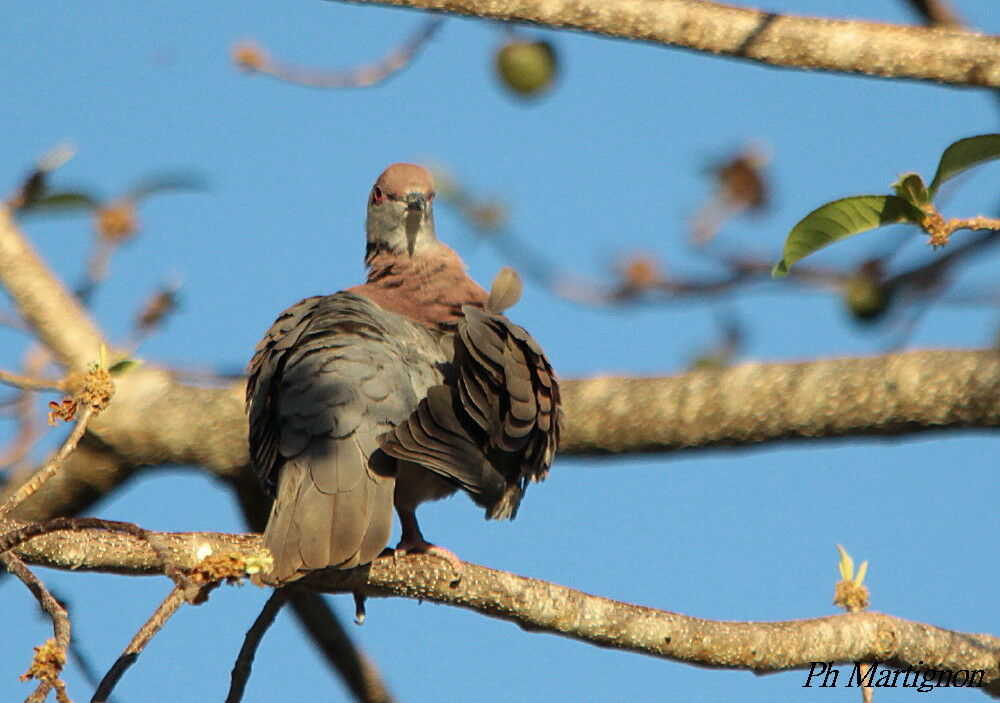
[940, 229]
[48, 677]
[75, 650]
[358, 672]
[97, 268]
[156, 621]
[249, 58]
[28, 430]
[324, 627]
[244, 662]
[31, 384]
[936, 13]
[50, 467]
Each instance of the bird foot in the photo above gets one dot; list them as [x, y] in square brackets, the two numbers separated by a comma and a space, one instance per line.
[420, 546]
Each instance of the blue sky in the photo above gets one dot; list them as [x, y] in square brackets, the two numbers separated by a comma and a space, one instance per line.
[611, 162]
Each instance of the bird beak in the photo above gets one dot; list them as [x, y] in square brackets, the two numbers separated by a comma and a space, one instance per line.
[416, 201]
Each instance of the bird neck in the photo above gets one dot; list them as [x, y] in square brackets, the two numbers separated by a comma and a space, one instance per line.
[409, 233]
[429, 287]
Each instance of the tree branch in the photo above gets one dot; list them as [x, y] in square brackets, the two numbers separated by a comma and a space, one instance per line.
[935, 12]
[30, 383]
[155, 420]
[244, 661]
[249, 58]
[49, 469]
[43, 302]
[846, 46]
[327, 632]
[135, 646]
[50, 657]
[538, 606]
[750, 404]
[315, 616]
[88, 474]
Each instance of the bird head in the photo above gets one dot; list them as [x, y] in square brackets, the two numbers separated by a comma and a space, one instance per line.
[399, 210]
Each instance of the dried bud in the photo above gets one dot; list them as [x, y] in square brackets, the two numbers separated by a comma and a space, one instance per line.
[230, 566]
[741, 182]
[487, 216]
[47, 662]
[640, 274]
[158, 306]
[850, 596]
[98, 388]
[116, 222]
[32, 188]
[936, 228]
[64, 410]
[249, 57]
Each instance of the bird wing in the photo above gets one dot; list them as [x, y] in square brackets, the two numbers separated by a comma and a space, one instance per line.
[494, 424]
[331, 375]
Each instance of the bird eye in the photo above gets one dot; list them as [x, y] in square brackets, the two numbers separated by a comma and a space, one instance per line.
[430, 196]
[377, 195]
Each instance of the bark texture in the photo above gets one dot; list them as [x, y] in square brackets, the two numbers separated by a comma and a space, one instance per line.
[155, 420]
[944, 55]
[539, 606]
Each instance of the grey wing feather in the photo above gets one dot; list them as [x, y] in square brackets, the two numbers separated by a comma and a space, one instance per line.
[332, 374]
[494, 425]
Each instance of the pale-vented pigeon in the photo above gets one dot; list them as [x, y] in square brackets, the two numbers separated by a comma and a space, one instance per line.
[395, 392]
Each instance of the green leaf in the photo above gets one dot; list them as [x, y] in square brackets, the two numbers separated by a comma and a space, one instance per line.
[963, 155]
[910, 186]
[845, 564]
[124, 366]
[862, 572]
[842, 218]
[66, 201]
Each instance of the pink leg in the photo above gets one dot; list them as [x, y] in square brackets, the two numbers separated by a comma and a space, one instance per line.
[413, 542]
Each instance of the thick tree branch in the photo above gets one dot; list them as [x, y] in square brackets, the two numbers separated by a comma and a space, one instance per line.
[43, 302]
[155, 420]
[846, 46]
[544, 607]
[754, 403]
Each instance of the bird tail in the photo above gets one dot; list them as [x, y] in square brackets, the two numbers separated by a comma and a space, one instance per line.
[310, 529]
[505, 507]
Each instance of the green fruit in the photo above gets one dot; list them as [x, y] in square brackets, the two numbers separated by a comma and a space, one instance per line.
[526, 68]
[866, 298]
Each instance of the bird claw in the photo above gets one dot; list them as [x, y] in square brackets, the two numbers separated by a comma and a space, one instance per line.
[432, 550]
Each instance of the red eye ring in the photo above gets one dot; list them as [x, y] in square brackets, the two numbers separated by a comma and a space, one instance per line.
[377, 195]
